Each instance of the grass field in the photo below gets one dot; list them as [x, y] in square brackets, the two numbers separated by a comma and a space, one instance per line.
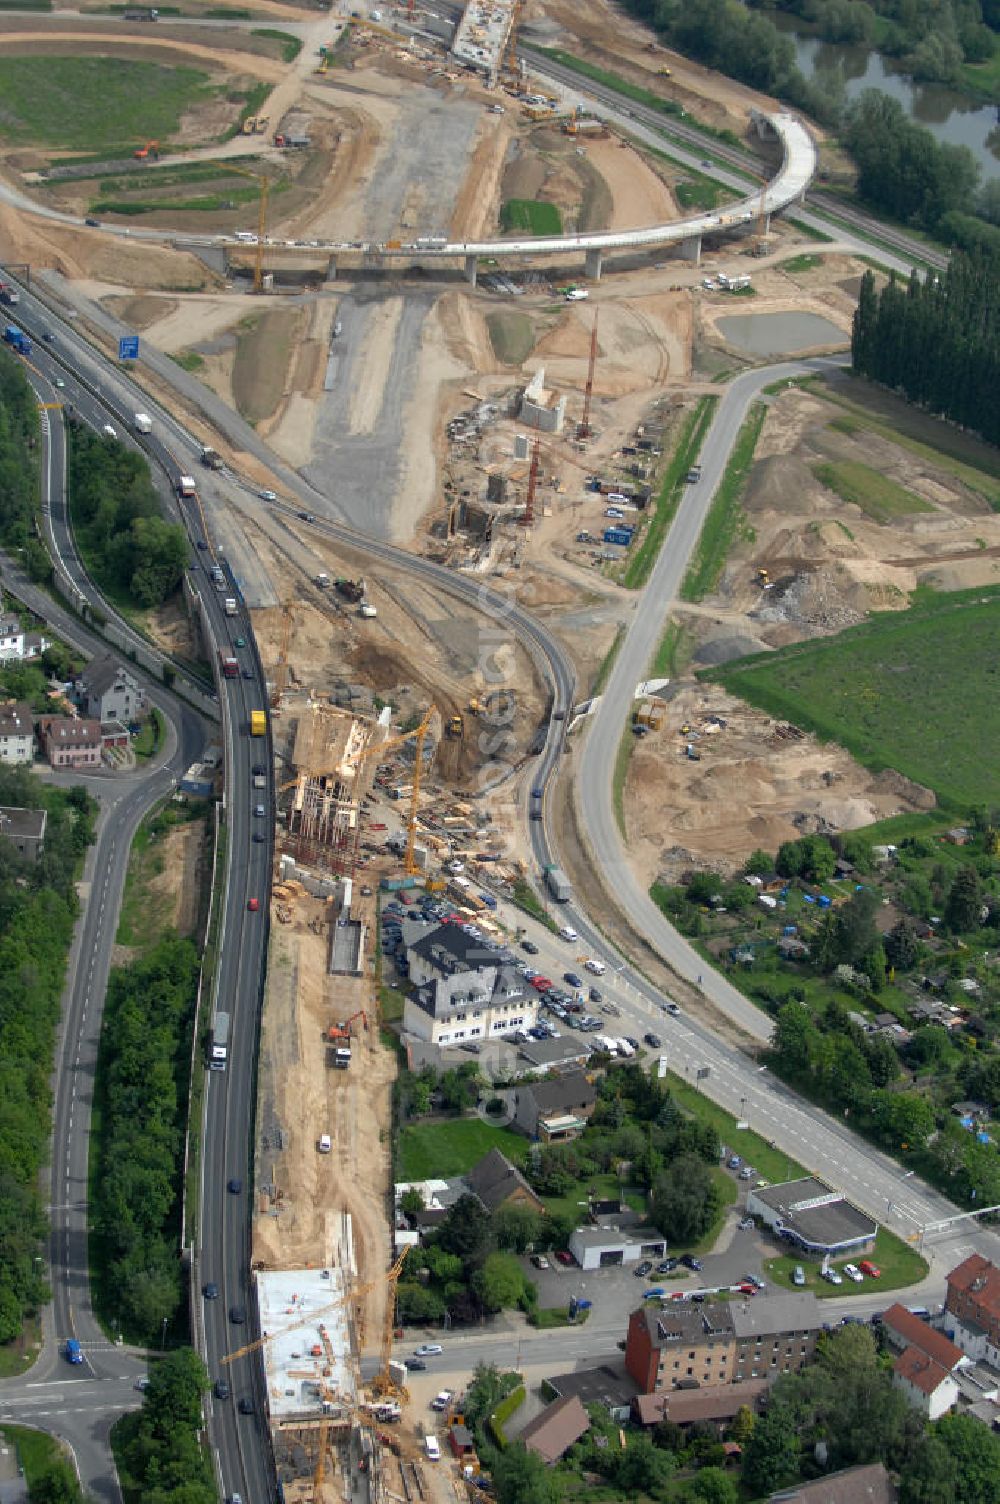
[698, 193]
[801, 263]
[92, 102]
[263, 351]
[878, 497]
[511, 335]
[900, 1264]
[912, 690]
[451, 1148]
[530, 216]
[36, 1452]
[641, 559]
[290, 46]
[725, 518]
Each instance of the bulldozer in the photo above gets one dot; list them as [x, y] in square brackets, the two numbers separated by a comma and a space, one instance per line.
[455, 728]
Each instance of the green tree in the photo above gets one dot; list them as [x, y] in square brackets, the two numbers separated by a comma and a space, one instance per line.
[975, 1456]
[771, 1456]
[521, 1477]
[741, 1429]
[903, 1119]
[466, 1230]
[715, 1486]
[500, 1283]
[965, 899]
[56, 1484]
[516, 1228]
[902, 946]
[928, 1475]
[411, 1203]
[758, 864]
[685, 1200]
[795, 1039]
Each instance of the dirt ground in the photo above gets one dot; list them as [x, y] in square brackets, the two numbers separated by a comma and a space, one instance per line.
[302, 1097]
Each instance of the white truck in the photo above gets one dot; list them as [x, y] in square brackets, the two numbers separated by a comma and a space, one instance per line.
[143, 423]
[367, 611]
[219, 1052]
[231, 607]
[186, 485]
[323, 581]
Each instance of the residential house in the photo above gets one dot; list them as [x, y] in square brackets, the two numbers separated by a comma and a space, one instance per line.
[70, 743]
[972, 1308]
[17, 645]
[496, 1183]
[721, 1343]
[462, 992]
[867, 1484]
[928, 1387]
[17, 732]
[24, 829]
[554, 1110]
[774, 1334]
[107, 691]
[717, 1406]
[551, 1434]
[902, 1330]
[680, 1343]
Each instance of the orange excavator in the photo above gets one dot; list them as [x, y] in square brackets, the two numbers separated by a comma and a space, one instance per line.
[337, 1033]
[150, 152]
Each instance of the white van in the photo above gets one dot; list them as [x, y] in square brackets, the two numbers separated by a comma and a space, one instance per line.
[433, 1448]
[596, 968]
[325, 1144]
[625, 1050]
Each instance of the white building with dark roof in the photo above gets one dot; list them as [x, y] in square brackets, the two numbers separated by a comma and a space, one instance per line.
[462, 992]
[814, 1218]
[17, 733]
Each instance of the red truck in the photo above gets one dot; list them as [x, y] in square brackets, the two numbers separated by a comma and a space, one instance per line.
[229, 665]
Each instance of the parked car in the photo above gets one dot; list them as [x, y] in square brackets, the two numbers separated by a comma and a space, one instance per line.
[690, 1262]
[529, 947]
[667, 1266]
[734, 1161]
[853, 1273]
[832, 1276]
[442, 1399]
[654, 1293]
[572, 978]
[748, 1172]
[540, 1261]
[872, 1270]
[564, 1256]
[541, 984]
[433, 1448]
[653, 1040]
[641, 1270]
[752, 1279]
[798, 1275]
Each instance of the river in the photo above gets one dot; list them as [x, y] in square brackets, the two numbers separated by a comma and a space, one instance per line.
[949, 116]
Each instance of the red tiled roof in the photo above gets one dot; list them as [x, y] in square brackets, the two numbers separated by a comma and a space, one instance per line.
[919, 1370]
[980, 1279]
[682, 1406]
[912, 1332]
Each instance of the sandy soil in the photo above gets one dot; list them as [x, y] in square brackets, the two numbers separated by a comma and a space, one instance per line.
[301, 1097]
[639, 195]
[45, 243]
[478, 201]
[437, 371]
[752, 788]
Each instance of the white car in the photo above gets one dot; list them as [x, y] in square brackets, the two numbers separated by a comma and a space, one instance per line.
[597, 968]
[854, 1273]
[428, 1350]
[833, 1276]
[443, 1400]
[568, 933]
[433, 1448]
[268, 495]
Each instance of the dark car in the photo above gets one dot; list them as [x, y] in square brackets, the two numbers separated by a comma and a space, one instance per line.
[529, 947]
[201, 543]
[596, 995]
[641, 1270]
[258, 838]
[258, 770]
[245, 1406]
[221, 1389]
[653, 1040]
[572, 978]
[235, 1186]
[237, 1315]
[93, 223]
[210, 1291]
[667, 1266]
[248, 673]
[416, 1365]
[690, 1262]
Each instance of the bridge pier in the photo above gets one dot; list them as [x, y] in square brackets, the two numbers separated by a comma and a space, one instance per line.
[592, 265]
[690, 249]
[471, 269]
[331, 269]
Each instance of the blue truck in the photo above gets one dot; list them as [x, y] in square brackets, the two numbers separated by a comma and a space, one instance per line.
[17, 339]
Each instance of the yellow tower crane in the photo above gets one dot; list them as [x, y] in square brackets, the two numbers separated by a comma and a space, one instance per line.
[264, 188]
[383, 1383]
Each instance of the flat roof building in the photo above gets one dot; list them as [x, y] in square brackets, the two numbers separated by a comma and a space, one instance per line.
[813, 1217]
[482, 35]
[308, 1372]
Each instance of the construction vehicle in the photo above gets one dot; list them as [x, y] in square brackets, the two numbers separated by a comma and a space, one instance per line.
[649, 714]
[338, 1037]
[150, 151]
[351, 590]
[455, 729]
[664, 73]
[211, 458]
[763, 579]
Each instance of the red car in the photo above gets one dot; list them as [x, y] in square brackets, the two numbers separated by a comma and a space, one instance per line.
[541, 984]
[564, 1256]
[253, 904]
[872, 1270]
[746, 1288]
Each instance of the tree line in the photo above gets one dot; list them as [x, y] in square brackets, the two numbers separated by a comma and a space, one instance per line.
[158, 1448]
[38, 907]
[19, 467]
[931, 42]
[142, 1093]
[128, 546]
[937, 340]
